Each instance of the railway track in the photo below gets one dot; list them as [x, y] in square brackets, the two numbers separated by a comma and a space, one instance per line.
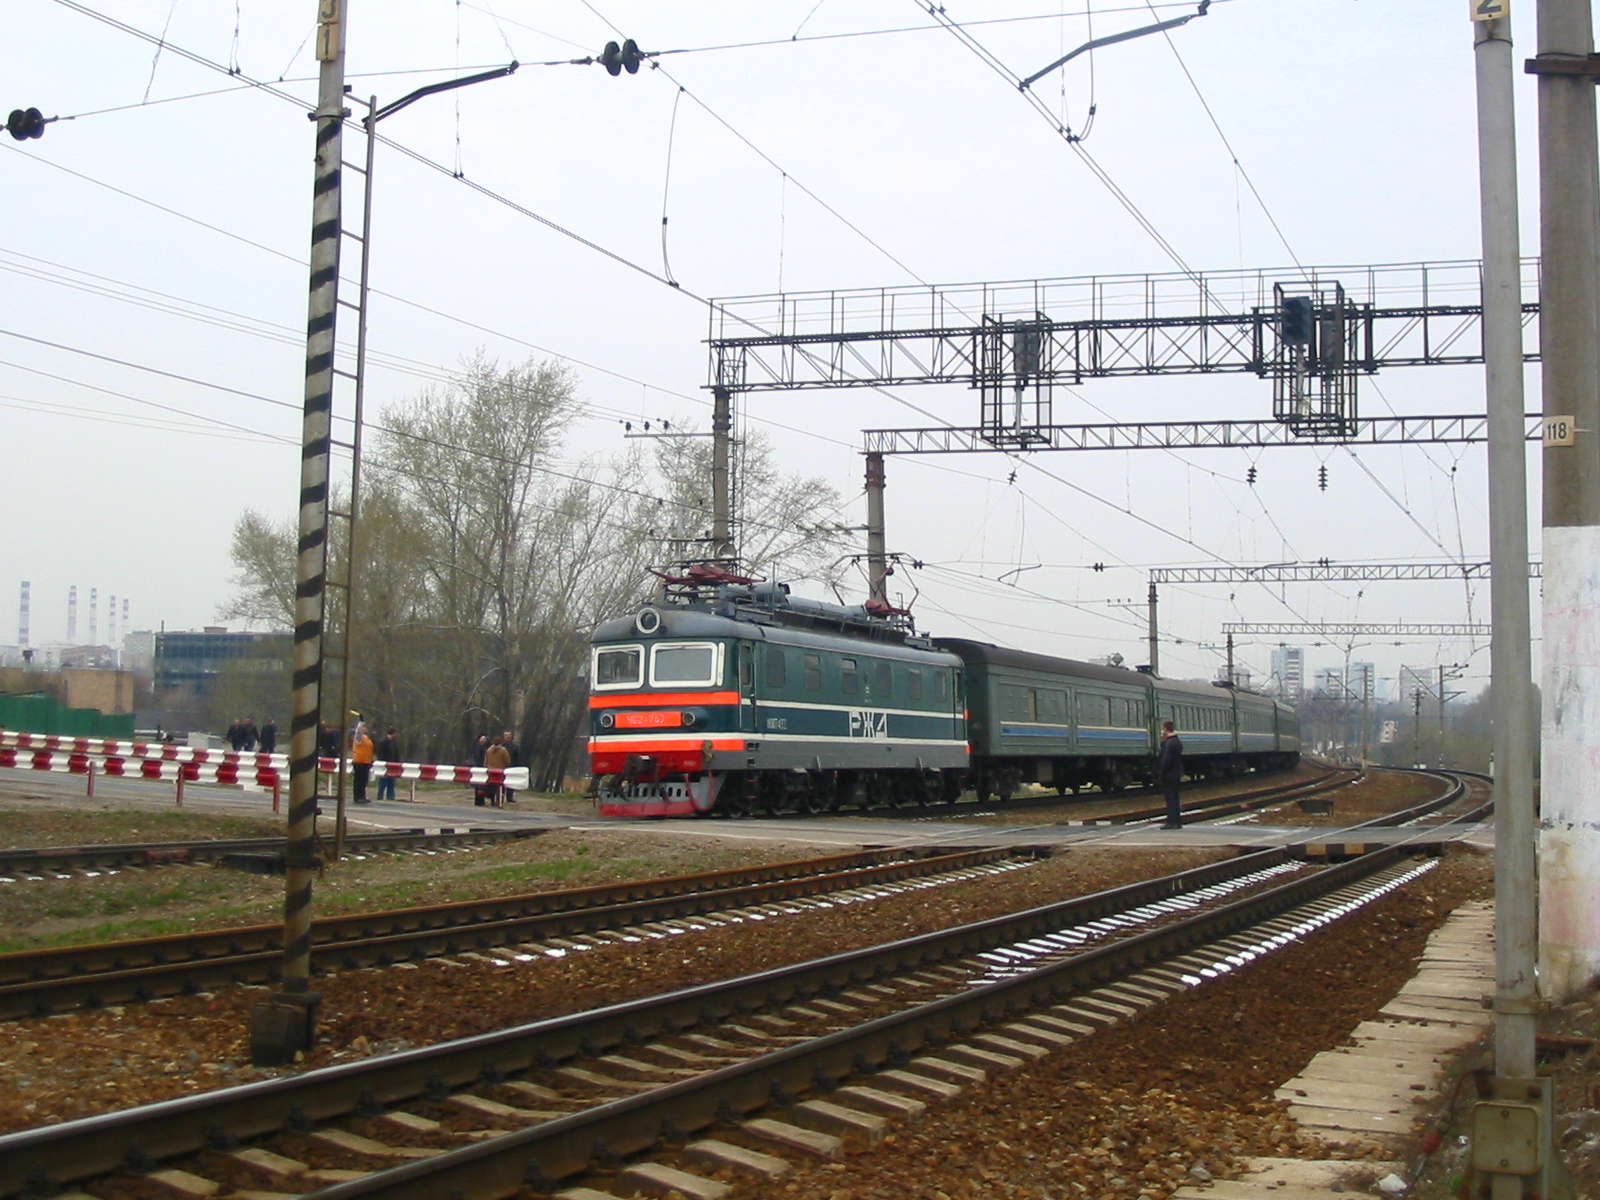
[802, 1059]
[1216, 807]
[42, 982]
[1462, 788]
[959, 807]
[69, 862]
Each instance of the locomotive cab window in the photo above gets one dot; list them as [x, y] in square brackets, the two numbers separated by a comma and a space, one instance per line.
[684, 664]
[883, 681]
[777, 667]
[619, 667]
[941, 686]
[914, 684]
[812, 672]
[849, 681]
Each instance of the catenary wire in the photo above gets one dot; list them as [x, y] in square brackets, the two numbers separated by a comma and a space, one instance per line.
[442, 168]
[1232, 153]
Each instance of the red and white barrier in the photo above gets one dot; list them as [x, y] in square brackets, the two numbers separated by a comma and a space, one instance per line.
[142, 760]
[138, 768]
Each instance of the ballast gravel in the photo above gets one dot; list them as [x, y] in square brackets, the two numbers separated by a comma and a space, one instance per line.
[1181, 1092]
[76, 1065]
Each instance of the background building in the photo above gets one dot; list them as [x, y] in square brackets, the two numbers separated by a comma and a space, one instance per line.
[196, 661]
[1289, 672]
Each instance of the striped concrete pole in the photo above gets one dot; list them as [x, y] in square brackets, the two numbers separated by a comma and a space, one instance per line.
[286, 1022]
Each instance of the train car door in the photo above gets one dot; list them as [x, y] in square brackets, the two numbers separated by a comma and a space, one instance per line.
[747, 688]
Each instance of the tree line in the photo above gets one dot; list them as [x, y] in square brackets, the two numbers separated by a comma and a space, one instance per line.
[484, 559]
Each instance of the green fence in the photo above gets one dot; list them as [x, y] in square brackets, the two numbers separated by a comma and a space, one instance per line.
[41, 714]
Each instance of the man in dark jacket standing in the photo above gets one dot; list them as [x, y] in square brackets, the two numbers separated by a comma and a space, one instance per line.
[388, 752]
[1170, 768]
[269, 737]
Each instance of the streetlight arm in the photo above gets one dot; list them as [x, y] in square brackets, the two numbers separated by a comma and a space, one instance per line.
[395, 106]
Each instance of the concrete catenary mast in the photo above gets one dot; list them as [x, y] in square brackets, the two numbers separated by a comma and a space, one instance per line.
[286, 1022]
[1570, 313]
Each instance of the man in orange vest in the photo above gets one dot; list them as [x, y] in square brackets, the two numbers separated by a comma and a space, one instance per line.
[362, 753]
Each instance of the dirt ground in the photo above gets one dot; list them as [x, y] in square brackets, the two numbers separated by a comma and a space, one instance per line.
[147, 902]
[77, 1064]
[1575, 1067]
[25, 823]
[1376, 794]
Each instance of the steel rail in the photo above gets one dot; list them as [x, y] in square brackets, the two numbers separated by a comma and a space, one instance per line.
[544, 1154]
[36, 983]
[1428, 807]
[76, 1150]
[956, 807]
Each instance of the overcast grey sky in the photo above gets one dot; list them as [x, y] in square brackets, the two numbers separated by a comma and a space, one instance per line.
[1353, 120]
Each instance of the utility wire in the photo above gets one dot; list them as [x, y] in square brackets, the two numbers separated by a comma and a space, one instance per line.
[1232, 153]
[445, 170]
[376, 426]
[855, 33]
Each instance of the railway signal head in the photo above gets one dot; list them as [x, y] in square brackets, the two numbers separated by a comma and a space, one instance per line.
[25, 123]
[615, 59]
[1294, 322]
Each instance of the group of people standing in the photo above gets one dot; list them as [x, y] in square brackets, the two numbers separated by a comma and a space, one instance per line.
[363, 753]
[245, 738]
[497, 753]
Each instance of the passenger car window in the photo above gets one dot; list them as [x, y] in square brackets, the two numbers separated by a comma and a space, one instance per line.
[812, 672]
[1094, 710]
[777, 667]
[622, 667]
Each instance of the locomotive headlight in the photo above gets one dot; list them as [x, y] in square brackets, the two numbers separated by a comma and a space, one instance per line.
[607, 720]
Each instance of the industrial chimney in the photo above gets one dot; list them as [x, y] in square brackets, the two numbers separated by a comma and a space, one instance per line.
[94, 616]
[72, 615]
[111, 621]
[22, 617]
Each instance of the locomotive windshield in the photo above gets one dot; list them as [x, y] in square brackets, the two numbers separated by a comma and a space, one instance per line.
[623, 667]
[688, 663]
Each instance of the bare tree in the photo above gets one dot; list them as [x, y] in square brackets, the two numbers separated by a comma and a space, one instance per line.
[484, 562]
[786, 526]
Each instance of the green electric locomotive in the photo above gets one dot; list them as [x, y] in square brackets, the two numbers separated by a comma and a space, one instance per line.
[755, 700]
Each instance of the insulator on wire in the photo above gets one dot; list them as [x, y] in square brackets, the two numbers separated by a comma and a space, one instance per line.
[25, 123]
[1322, 478]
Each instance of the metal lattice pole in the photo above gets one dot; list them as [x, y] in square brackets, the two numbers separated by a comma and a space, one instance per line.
[286, 1023]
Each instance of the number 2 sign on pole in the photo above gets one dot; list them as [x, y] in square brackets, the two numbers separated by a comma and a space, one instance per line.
[1490, 10]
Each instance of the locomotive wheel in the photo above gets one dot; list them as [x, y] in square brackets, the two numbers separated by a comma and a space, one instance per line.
[735, 798]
